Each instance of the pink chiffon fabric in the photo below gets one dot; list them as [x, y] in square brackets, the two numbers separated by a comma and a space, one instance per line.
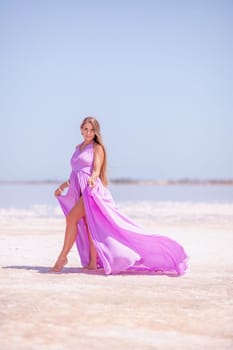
[122, 245]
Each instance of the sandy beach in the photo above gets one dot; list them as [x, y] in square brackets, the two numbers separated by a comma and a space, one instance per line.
[77, 309]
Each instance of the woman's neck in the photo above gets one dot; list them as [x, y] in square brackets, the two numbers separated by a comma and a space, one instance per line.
[85, 143]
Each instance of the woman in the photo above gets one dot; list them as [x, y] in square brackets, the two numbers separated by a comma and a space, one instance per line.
[105, 237]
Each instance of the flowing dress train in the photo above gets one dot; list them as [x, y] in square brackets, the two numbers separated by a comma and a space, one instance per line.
[122, 245]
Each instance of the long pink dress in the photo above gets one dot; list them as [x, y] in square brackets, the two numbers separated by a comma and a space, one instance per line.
[121, 244]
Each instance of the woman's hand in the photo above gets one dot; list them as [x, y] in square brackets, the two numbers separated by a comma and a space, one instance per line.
[91, 182]
[61, 188]
[58, 192]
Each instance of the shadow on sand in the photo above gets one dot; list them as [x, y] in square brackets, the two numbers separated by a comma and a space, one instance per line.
[81, 270]
[65, 270]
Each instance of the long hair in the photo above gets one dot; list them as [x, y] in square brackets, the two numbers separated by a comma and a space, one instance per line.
[98, 139]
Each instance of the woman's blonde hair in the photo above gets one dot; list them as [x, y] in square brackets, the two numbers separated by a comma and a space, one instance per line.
[99, 141]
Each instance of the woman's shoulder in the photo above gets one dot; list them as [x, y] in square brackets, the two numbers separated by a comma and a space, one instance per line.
[98, 148]
[97, 145]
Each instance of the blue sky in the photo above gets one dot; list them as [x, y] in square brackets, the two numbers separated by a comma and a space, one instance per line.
[158, 75]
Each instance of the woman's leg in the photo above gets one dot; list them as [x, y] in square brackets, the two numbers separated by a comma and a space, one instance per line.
[92, 265]
[76, 213]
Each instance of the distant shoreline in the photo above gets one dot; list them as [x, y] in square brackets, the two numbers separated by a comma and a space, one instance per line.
[128, 181]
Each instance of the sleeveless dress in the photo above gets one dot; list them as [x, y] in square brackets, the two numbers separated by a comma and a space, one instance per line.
[122, 245]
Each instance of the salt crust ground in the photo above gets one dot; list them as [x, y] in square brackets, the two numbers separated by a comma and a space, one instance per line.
[80, 310]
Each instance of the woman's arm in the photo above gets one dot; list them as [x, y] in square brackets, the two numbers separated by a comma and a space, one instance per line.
[98, 162]
[61, 188]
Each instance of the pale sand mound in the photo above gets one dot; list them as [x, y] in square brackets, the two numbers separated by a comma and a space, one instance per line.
[77, 310]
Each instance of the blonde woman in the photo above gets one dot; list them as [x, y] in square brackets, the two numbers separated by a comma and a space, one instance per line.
[105, 237]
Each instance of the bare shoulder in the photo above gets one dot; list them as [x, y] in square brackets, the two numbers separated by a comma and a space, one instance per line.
[98, 148]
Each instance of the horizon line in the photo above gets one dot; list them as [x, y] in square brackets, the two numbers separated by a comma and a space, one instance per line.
[131, 181]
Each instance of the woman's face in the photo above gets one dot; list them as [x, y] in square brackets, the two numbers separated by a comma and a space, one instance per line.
[88, 132]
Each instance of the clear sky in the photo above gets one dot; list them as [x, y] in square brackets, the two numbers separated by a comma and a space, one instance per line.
[158, 75]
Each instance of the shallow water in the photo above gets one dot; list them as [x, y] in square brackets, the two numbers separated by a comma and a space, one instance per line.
[169, 205]
[25, 196]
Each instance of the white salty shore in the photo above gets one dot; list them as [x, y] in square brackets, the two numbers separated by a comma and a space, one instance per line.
[80, 310]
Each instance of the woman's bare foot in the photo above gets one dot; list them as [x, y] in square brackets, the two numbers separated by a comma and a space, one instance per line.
[60, 263]
[91, 266]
